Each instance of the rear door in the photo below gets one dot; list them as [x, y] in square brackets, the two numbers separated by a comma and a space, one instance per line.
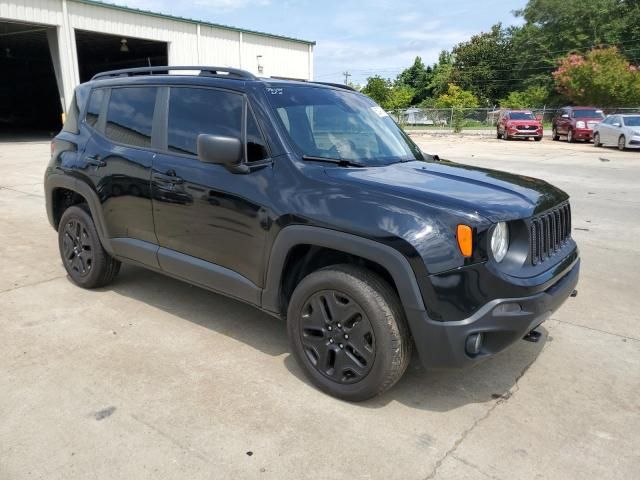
[119, 155]
[209, 220]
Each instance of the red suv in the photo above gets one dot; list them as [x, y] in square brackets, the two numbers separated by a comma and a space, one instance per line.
[519, 123]
[576, 123]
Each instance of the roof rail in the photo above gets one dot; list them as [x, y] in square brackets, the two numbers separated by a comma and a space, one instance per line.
[337, 85]
[222, 71]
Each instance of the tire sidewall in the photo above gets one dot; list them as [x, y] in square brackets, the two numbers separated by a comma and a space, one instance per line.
[326, 279]
[622, 145]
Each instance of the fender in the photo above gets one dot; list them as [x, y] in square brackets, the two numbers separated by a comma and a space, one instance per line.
[389, 258]
[56, 180]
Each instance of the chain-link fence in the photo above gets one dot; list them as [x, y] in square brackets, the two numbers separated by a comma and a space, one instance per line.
[473, 118]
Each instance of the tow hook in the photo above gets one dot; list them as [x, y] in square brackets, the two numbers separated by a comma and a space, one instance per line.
[533, 336]
[574, 293]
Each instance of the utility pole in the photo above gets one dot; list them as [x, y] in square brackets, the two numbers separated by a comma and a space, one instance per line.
[346, 77]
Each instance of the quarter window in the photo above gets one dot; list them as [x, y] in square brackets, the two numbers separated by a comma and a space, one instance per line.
[93, 109]
[256, 148]
[130, 115]
[193, 111]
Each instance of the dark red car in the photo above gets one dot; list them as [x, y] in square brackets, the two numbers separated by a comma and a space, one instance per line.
[576, 123]
[518, 124]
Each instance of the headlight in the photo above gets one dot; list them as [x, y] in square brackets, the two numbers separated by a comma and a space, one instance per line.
[500, 241]
[580, 125]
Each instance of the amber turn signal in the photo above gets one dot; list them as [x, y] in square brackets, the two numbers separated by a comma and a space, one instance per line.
[465, 240]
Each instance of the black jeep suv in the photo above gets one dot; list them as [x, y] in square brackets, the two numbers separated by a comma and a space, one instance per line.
[307, 201]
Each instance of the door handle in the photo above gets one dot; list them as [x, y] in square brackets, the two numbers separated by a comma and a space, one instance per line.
[169, 177]
[95, 160]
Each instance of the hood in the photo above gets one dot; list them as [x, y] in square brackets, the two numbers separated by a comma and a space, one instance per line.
[492, 194]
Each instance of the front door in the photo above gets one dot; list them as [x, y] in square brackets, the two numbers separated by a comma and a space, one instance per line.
[208, 220]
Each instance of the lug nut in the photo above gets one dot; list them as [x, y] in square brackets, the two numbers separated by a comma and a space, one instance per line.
[329, 328]
[331, 340]
[346, 336]
[339, 326]
[341, 346]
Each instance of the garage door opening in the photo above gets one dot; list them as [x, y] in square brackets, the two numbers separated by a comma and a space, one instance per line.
[29, 95]
[98, 52]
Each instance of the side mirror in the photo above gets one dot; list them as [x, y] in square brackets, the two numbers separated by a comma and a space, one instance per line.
[616, 124]
[221, 150]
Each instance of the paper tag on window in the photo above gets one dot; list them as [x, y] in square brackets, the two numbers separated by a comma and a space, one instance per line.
[379, 111]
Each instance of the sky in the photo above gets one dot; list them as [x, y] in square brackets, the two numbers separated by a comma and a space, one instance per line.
[364, 38]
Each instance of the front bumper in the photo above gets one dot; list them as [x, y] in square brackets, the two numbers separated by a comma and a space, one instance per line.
[501, 321]
[583, 134]
[514, 132]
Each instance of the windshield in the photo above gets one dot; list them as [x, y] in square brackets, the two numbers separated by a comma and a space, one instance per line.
[521, 116]
[588, 113]
[334, 124]
[632, 121]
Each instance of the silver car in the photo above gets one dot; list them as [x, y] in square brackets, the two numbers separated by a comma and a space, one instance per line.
[620, 130]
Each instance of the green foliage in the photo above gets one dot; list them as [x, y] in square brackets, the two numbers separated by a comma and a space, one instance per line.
[603, 77]
[484, 64]
[388, 95]
[530, 98]
[378, 89]
[442, 75]
[457, 99]
[416, 77]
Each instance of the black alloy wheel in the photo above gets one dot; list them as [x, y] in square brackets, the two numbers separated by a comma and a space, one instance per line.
[77, 251]
[337, 336]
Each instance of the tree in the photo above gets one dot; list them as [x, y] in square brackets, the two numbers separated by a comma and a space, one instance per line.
[442, 75]
[484, 64]
[378, 89]
[416, 77]
[457, 99]
[603, 77]
[530, 98]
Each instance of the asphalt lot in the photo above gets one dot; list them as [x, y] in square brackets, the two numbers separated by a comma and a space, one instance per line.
[153, 378]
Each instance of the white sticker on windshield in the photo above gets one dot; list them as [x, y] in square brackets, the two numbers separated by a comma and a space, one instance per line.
[379, 111]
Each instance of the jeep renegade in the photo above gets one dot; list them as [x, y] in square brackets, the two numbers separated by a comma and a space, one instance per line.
[307, 201]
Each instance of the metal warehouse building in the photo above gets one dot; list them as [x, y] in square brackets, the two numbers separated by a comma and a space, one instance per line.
[47, 47]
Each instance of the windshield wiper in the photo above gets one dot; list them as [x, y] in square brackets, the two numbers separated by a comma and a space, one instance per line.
[338, 161]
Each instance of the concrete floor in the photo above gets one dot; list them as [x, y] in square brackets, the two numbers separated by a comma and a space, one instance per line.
[153, 378]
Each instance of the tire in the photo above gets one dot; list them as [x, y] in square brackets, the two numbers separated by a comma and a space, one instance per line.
[554, 134]
[498, 135]
[83, 257]
[596, 140]
[622, 143]
[348, 332]
[570, 138]
[537, 139]
[505, 135]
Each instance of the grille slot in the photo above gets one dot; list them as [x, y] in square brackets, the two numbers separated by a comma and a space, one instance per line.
[548, 232]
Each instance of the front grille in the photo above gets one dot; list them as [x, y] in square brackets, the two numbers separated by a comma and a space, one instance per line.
[527, 127]
[548, 232]
[592, 124]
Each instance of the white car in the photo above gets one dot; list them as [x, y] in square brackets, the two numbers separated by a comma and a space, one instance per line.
[620, 130]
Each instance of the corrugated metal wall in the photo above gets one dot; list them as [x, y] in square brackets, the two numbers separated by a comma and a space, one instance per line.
[190, 43]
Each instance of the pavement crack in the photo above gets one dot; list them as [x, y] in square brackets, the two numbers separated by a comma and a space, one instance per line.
[503, 399]
[577, 325]
[31, 284]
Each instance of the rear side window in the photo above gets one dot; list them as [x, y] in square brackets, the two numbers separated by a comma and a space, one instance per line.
[193, 111]
[94, 106]
[130, 115]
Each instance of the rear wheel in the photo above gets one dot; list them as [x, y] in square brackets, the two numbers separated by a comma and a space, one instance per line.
[596, 140]
[622, 143]
[348, 332]
[86, 262]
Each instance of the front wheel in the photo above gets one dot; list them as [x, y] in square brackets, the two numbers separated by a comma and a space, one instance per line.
[86, 262]
[498, 134]
[570, 138]
[596, 140]
[622, 143]
[554, 134]
[537, 139]
[348, 332]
